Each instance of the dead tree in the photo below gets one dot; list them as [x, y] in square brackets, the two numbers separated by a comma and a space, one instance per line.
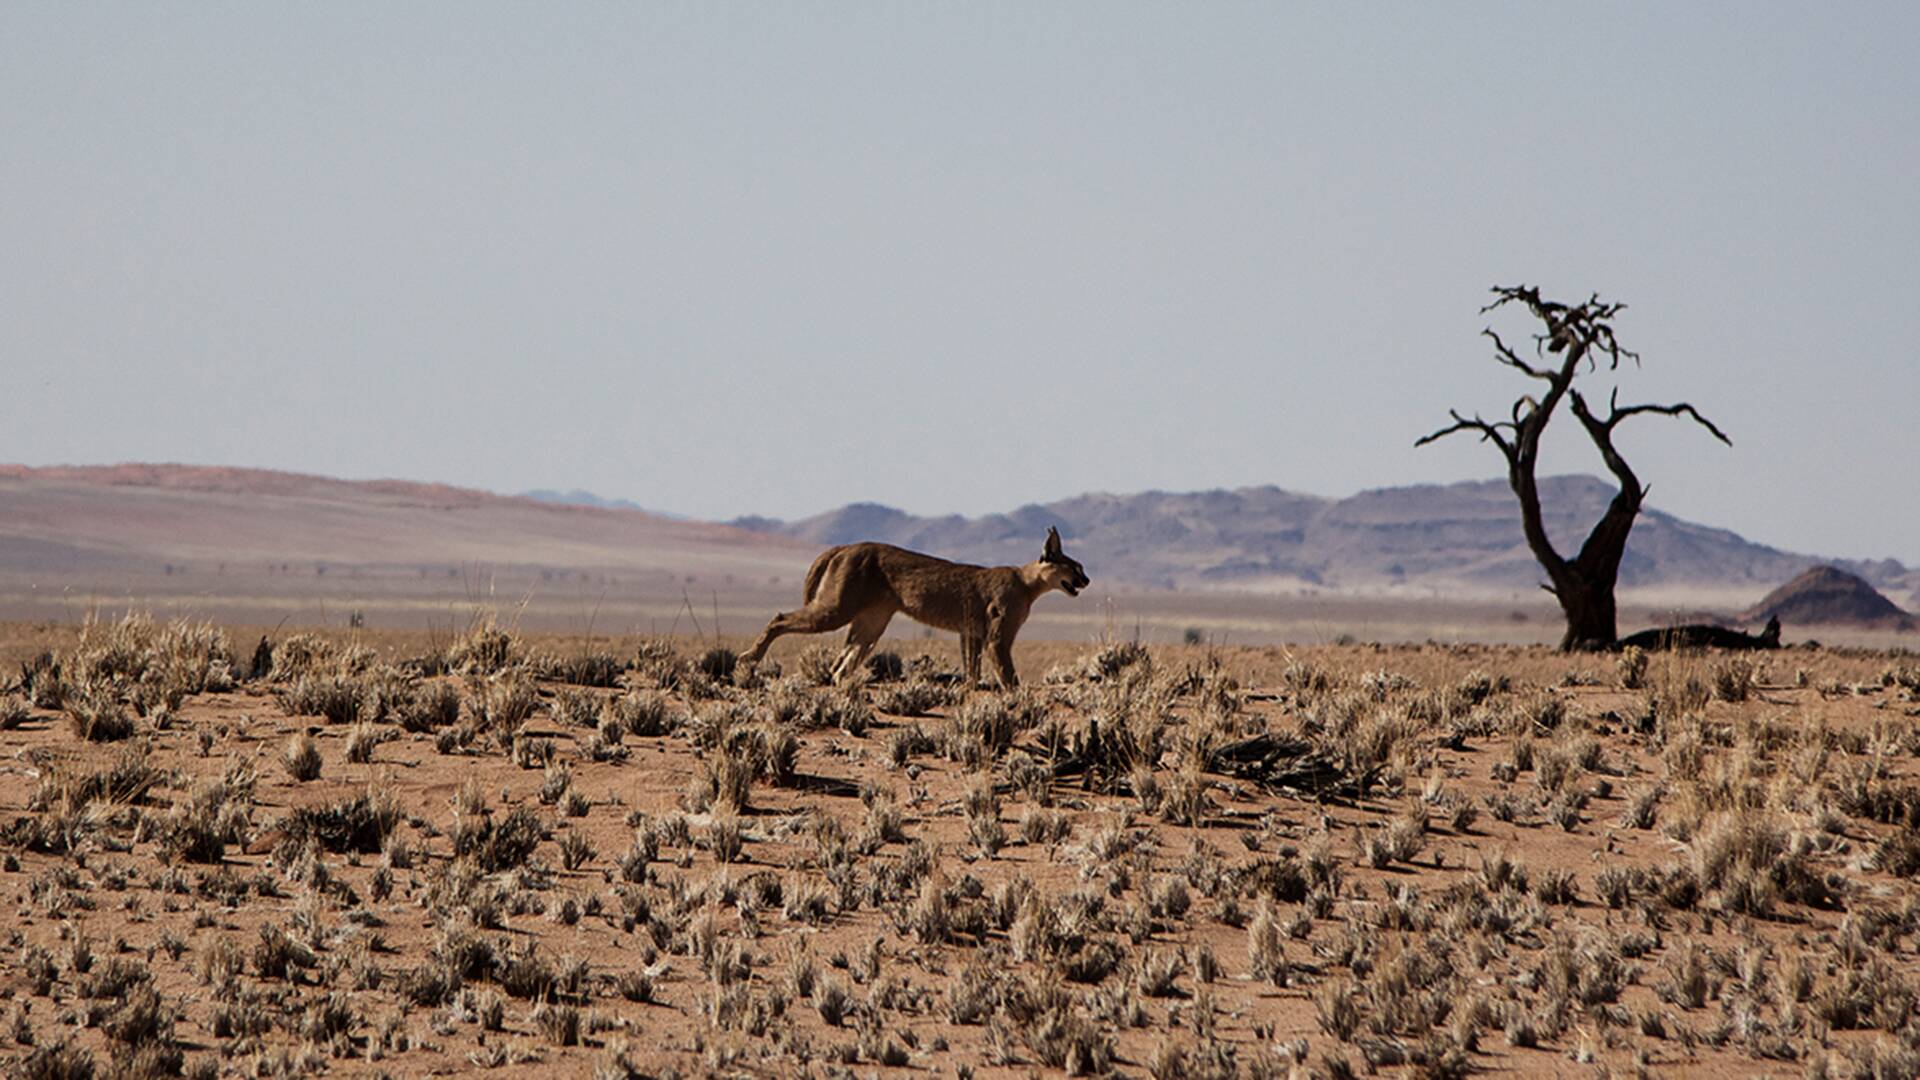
[1575, 335]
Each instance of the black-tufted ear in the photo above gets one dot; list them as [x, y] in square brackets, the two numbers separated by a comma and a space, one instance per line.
[1053, 542]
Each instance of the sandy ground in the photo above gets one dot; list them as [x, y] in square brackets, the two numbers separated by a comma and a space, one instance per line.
[1459, 858]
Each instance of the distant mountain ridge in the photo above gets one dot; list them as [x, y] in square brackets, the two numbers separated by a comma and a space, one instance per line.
[582, 497]
[1462, 537]
[65, 527]
[136, 515]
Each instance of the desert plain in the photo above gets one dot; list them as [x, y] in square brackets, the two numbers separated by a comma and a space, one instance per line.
[234, 850]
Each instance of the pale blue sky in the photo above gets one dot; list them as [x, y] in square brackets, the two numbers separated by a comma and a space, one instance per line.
[723, 259]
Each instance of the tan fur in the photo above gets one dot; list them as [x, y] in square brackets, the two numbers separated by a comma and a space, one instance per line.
[862, 586]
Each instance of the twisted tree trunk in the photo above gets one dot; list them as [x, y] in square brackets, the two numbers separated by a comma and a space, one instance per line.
[1584, 585]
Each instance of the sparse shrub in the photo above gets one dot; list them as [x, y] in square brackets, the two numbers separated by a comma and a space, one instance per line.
[1461, 815]
[723, 781]
[1616, 885]
[555, 783]
[850, 713]
[587, 669]
[335, 698]
[298, 655]
[60, 1061]
[636, 986]
[575, 708]
[1899, 853]
[1753, 863]
[277, 955]
[485, 649]
[1061, 1036]
[1042, 826]
[1334, 1009]
[832, 1000]
[883, 821]
[633, 864]
[141, 1032]
[14, 711]
[1565, 808]
[1734, 678]
[1266, 958]
[523, 972]
[361, 742]
[1555, 887]
[724, 838]
[429, 706]
[1643, 808]
[640, 714]
[1306, 679]
[886, 666]
[1679, 695]
[930, 916]
[1631, 669]
[717, 663]
[575, 850]
[779, 752]
[301, 756]
[504, 704]
[605, 744]
[117, 979]
[329, 1017]
[988, 720]
[1111, 659]
[815, 665]
[1547, 712]
[502, 847]
[532, 753]
[917, 697]
[1401, 840]
[973, 995]
[559, 1023]
[361, 824]
[96, 715]
[1092, 962]
[1157, 972]
[1690, 981]
[984, 817]
[1184, 800]
[1520, 753]
[214, 815]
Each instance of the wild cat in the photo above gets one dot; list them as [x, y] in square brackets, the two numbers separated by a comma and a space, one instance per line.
[862, 586]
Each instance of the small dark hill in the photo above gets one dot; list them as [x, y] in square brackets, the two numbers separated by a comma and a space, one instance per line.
[1829, 596]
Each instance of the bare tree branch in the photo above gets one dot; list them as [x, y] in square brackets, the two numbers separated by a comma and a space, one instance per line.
[1678, 409]
[1507, 356]
[1489, 430]
[1586, 328]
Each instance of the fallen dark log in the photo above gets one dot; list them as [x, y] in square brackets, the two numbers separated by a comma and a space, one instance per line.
[1281, 763]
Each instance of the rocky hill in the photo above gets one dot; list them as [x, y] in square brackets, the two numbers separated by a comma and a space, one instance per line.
[1459, 538]
[1829, 596]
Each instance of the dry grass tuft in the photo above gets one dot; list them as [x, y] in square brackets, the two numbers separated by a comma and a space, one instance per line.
[301, 756]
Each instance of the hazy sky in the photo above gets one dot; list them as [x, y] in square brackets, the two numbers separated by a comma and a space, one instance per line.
[733, 258]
